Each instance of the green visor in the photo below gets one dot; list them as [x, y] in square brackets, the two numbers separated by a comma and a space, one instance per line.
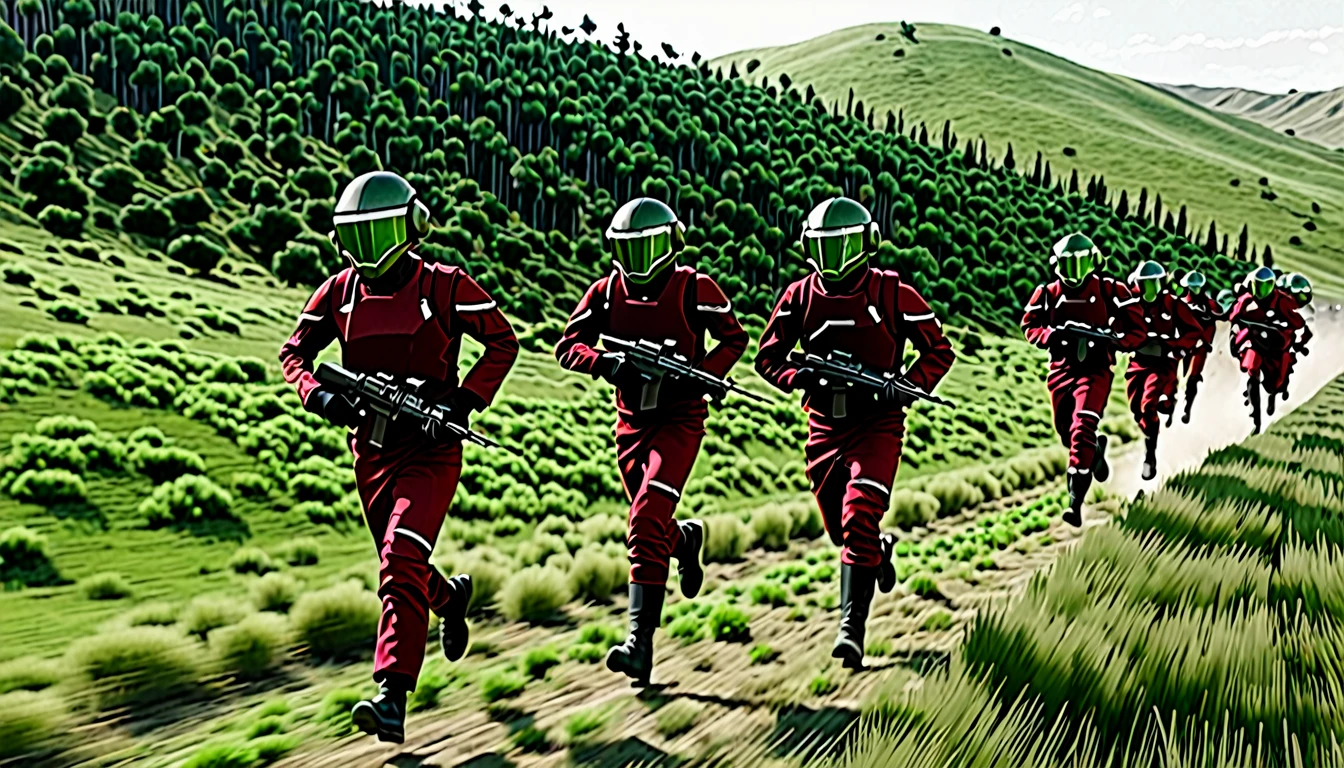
[834, 253]
[373, 240]
[1148, 289]
[643, 254]
[1262, 288]
[1074, 268]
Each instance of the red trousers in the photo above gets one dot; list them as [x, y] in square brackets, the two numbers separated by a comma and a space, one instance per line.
[1193, 364]
[406, 488]
[1273, 368]
[1150, 384]
[852, 464]
[656, 458]
[1079, 398]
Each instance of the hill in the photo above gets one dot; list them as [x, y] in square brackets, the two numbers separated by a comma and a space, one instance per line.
[1219, 167]
[1314, 116]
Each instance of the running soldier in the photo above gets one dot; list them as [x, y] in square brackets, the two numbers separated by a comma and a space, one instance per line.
[1192, 289]
[1264, 323]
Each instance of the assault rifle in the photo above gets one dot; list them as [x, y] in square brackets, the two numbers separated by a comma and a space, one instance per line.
[841, 368]
[654, 363]
[1087, 331]
[389, 400]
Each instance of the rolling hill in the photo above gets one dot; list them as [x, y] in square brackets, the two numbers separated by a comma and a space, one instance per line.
[1133, 133]
[1317, 116]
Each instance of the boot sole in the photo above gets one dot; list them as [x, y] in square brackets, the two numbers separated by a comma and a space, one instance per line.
[366, 720]
[1075, 520]
[850, 658]
[691, 587]
[619, 667]
[458, 618]
[1100, 469]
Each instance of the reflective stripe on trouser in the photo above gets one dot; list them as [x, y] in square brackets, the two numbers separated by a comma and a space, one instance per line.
[406, 491]
[1193, 365]
[1272, 367]
[1150, 384]
[851, 467]
[1079, 398]
[656, 457]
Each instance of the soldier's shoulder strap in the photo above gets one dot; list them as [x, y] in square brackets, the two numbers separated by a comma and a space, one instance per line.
[888, 295]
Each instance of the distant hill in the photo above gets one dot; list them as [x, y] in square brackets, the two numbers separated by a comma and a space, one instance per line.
[1317, 116]
[1135, 134]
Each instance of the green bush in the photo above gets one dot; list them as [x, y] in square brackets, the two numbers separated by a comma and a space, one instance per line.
[275, 592]
[141, 664]
[922, 584]
[165, 464]
[65, 427]
[762, 654]
[209, 612]
[807, 522]
[27, 720]
[937, 621]
[595, 575]
[822, 685]
[251, 560]
[102, 452]
[152, 615]
[48, 487]
[24, 559]
[729, 624]
[538, 661]
[769, 593]
[533, 594]
[910, 508]
[251, 485]
[502, 684]
[585, 723]
[301, 551]
[678, 717]
[146, 437]
[188, 499]
[251, 646]
[337, 621]
[726, 539]
[770, 525]
[224, 755]
[61, 222]
[29, 674]
[105, 586]
[65, 312]
[486, 579]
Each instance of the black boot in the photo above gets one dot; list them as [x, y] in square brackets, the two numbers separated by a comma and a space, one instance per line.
[886, 572]
[453, 633]
[1191, 389]
[634, 657]
[1171, 417]
[1078, 484]
[1149, 457]
[1269, 403]
[384, 715]
[690, 570]
[856, 595]
[1253, 399]
[1100, 468]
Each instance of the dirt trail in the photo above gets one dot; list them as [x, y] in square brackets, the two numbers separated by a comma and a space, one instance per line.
[767, 715]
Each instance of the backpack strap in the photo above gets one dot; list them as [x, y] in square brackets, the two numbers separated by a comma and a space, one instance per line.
[890, 314]
[428, 283]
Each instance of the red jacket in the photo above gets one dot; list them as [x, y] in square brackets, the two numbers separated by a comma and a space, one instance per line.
[1169, 326]
[687, 306]
[1207, 313]
[872, 323]
[1250, 316]
[1100, 302]
[415, 332]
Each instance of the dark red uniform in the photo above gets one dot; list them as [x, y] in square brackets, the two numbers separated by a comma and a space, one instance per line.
[1207, 314]
[1170, 330]
[660, 426]
[1266, 353]
[407, 485]
[1081, 370]
[854, 442]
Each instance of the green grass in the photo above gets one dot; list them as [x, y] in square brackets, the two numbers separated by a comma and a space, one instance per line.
[1134, 134]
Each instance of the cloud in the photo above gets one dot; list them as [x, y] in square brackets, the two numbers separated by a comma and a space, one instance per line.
[1140, 39]
[1073, 13]
[1319, 47]
[1101, 13]
[1143, 45]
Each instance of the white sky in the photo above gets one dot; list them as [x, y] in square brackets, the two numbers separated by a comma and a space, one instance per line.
[1265, 45]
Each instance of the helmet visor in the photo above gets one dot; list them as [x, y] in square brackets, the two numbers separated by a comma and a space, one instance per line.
[643, 256]
[1303, 297]
[372, 241]
[834, 255]
[1262, 288]
[1073, 269]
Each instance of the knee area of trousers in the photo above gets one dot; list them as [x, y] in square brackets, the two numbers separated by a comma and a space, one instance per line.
[648, 571]
[863, 491]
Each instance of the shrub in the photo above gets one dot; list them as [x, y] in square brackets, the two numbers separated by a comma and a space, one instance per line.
[428, 688]
[24, 559]
[336, 706]
[302, 551]
[729, 624]
[195, 252]
[822, 685]
[102, 452]
[16, 275]
[486, 579]
[209, 612]
[762, 654]
[586, 722]
[595, 575]
[726, 539]
[188, 499]
[337, 621]
[250, 485]
[26, 720]
[29, 674]
[152, 615]
[771, 525]
[61, 222]
[275, 592]
[910, 508]
[224, 755]
[167, 463]
[105, 586]
[141, 664]
[251, 560]
[769, 593]
[250, 647]
[146, 437]
[48, 487]
[688, 628]
[586, 653]
[937, 621]
[538, 661]
[807, 522]
[533, 594]
[678, 717]
[500, 685]
[922, 584]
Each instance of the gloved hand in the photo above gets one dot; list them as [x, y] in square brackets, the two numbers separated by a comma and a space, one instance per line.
[462, 405]
[334, 407]
[807, 380]
[890, 394]
[622, 374]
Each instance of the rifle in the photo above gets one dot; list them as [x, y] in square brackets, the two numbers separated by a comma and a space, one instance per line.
[1078, 329]
[841, 368]
[388, 400]
[653, 363]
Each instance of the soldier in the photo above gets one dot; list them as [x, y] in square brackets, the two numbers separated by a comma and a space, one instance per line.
[1081, 318]
[1298, 287]
[1191, 290]
[659, 424]
[396, 314]
[1171, 330]
[854, 444]
[1265, 323]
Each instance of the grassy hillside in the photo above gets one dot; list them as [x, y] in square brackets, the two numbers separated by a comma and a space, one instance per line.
[1314, 116]
[1135, 135]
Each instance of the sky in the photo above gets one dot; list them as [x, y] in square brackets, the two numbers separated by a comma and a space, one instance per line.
[1263, 45]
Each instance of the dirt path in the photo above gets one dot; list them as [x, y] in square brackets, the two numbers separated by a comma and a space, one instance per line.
[741, 714]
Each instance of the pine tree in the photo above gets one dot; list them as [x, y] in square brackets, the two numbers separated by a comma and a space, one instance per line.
[1036, 171]
[900, 121]
[1182, 225]
[1122, 207]
[1045, 179]
[1008, 161]
[1169, 223]
[1091, 189]
[1211, 242]
[1142, 212]
[1157, 210]
[849, 105]
[891, 121]
[948, 144]
[1223, 248]
[1267, 258]
[984, 154]
[1242, 241]
[923, 134]
[1073, 182]
[1254, 255]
